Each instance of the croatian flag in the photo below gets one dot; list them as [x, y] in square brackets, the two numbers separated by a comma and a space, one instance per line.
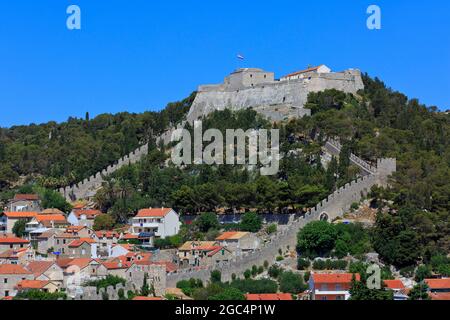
[240, 56]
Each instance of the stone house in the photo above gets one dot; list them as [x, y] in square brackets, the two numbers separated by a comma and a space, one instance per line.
[80, 231]
[47, 271]
[156, 276]
[82, 248]
[10, 276]
[12, 217]
[25, 202]
[44, 242]
[12, 243]
[41, 285]
[239, 242]
[201, 253]
[61, 243]
[20, 256]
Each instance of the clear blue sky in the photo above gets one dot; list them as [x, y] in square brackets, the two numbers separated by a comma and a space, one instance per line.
[138, 55]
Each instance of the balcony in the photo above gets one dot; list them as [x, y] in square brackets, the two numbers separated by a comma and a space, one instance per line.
[150, 225]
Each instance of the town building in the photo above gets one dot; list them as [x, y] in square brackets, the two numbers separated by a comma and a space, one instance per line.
[202, 253]
[439, 289]
[17, 256]
[159, 223]
[14, 216]
[47, 221]
[41, 285]
[10, 276]
[239, 242]
[24, 202]
[331, 286]
[302, 74]
[12, 243]
[83, 217]
[269, 297]
[398, 288]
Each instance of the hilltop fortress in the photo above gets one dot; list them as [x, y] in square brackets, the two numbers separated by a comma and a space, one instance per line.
[245, 88]
[276, 99]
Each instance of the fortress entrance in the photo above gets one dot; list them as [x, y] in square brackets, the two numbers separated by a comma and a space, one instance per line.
[324, 217]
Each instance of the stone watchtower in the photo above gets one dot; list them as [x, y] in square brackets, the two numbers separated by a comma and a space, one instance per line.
[385, 168]
[247, 78]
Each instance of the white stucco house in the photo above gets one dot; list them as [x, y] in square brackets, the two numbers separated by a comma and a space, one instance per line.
[304, 73]
[161, 222]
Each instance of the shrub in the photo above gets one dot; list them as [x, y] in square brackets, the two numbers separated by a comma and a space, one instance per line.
[280, 258]
[303, 264]
[274, 271]
[216, 276]
[272, 228]
[291, 283]
[247, 274]
[255, 286]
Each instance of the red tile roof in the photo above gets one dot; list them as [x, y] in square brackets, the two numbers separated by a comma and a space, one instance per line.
[231, 235]
[107, 234]
[130, 236]
[13, 269]
[13, 240]
[79, 242]
[32, 284]
[32, 197]
[440, 296]
[302, 71]
[144, 213]
[269, 296]
[394, 284]
[334, 277]
[17, 215]
[79, 262]
[438, 283]
[51, 217]
[89, 213]
[12, 254]
[39, 267]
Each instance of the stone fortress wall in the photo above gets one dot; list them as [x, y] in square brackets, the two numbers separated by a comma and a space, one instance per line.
[334, 206]
[89, 186]
[278, 100]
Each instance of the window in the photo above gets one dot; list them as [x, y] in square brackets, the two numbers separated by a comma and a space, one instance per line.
[324, 287]
[324, 298]
[265, 76]
[339, 297]
[5, 280]
[6, 293]
[10, 246]
[338, 287]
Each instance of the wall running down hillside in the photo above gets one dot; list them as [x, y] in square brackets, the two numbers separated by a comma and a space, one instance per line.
[286, 239]
[88, 187]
